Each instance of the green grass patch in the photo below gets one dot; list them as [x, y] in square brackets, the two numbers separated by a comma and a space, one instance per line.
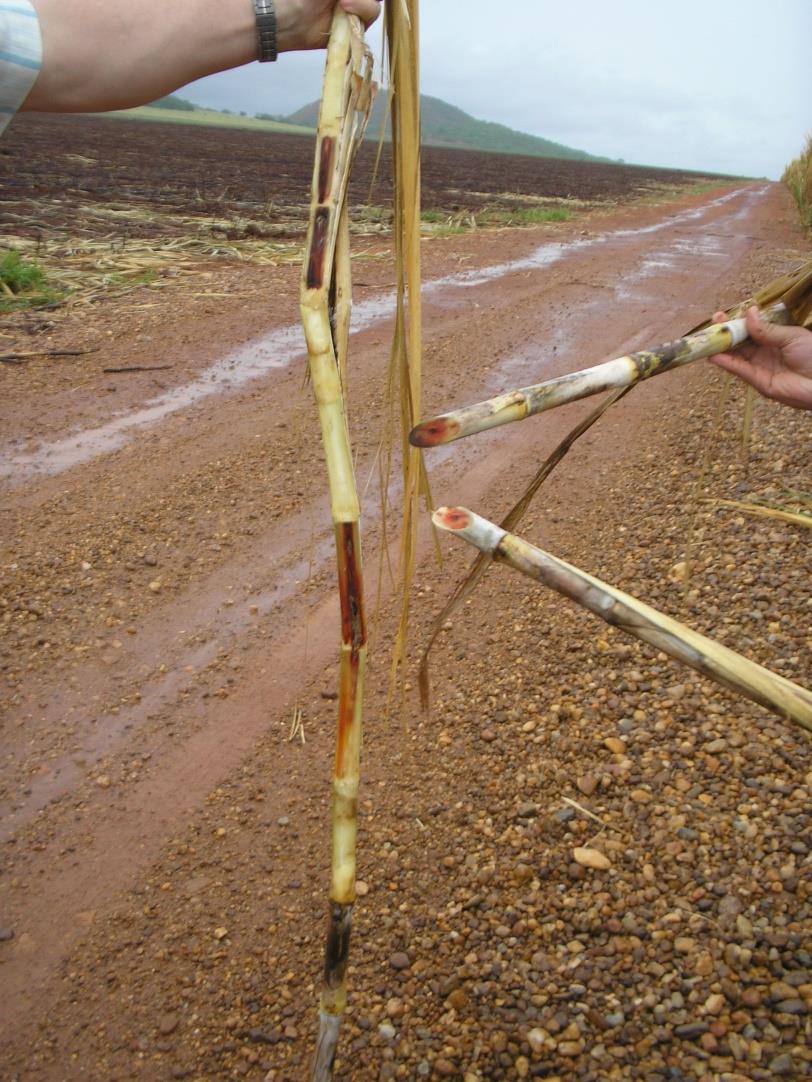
[23, 284]
[20, 275]
[536, 215]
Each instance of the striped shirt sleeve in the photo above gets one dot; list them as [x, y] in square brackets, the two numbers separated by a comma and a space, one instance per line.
[20, 55]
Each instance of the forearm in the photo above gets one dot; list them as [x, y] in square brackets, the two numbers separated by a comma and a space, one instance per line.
[99, 54]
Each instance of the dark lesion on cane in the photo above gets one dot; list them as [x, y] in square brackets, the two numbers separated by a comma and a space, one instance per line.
[649, 361]
[326, 167]
[318, 248]
[338, 944]
[352, 590]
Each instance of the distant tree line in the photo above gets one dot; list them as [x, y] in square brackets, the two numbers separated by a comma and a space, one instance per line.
[172, 101]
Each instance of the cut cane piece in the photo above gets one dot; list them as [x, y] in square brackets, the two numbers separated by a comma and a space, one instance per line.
[622, 372]
[787, 299]
[784, 698]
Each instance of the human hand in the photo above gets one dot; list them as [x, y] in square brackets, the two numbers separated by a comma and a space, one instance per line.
[305, 24]
[777, 362]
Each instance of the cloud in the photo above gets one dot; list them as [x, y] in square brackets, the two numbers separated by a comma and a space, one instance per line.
[705, 84]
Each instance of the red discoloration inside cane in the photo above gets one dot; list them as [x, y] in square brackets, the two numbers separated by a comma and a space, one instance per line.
[433, 433]
[347, 697]
[326, 168]
[353, 633]
[351, 587]
[318, 249]
[453, 518]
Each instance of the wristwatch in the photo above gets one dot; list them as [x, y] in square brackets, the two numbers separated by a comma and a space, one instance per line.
[266, 30]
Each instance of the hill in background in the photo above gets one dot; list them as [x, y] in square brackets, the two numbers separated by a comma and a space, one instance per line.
[445, 125]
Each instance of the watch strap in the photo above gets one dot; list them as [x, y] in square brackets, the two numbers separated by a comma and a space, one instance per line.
[266, 30]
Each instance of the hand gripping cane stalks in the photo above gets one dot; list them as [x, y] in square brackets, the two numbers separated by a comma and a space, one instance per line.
[325, 304]
[786, 300]
[621, 610]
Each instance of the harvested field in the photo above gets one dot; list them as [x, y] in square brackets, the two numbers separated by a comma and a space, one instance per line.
[167, 607]
[97, 177]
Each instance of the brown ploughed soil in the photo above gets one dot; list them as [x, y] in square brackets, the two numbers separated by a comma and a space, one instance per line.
[52, 167]
[168, 602]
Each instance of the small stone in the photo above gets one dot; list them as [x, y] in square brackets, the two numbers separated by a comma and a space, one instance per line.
[708, 1042]
[744, 927]
[730, 906]
[641, 796]
[444, 1068]
[791, 1006]
[751, 997]
[387, 1031]
[155, 586]
[527, 811]
[691, 1030]
[780, 990]
[615, 745]
[587, 784]
[220, 933]
[715, 1003]
[458, 999]
[591, 858]
[400, 960]
[167, 1024]
[488, 735]
[782, 1065]
[394, 1007]
[738, 1047]
[683, 944]
[570, 1048]
[103, 781]
[6, 935]
[537, 1039]
[361, 888]
[704, 965]
[264, 1036]
[522, 1066]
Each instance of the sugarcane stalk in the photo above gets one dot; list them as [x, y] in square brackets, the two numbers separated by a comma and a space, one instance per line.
[325, 307]
[621, 610]
[402, 27]
[621, 372]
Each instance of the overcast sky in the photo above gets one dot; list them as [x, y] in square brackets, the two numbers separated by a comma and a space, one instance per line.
[722, 85]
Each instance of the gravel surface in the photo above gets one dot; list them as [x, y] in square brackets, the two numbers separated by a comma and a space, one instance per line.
[587, 862]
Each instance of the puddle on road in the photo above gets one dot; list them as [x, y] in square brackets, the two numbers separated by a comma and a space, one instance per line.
[284, 346]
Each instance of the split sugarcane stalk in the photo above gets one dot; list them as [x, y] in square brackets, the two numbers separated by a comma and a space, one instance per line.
[618, 609]
[325, 304]
[622, 372]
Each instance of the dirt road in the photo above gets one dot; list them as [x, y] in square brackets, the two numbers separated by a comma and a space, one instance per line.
[168, 603]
